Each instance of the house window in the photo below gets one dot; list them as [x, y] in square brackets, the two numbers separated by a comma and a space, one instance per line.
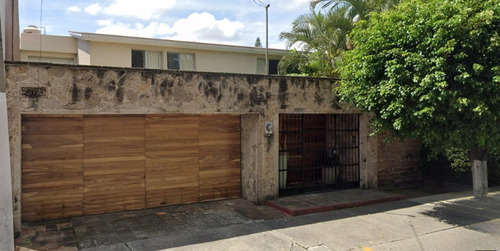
[273, 66]
[51, 60]
[261, 66]
[147, 59]
[180, 61]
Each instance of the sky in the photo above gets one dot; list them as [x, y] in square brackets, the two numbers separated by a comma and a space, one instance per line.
[236, 22]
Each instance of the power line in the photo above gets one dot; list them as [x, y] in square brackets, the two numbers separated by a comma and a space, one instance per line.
[280, 19]
[259, 3]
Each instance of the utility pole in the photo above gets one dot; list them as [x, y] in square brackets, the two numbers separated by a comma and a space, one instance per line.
[267, 41]
[261, 4]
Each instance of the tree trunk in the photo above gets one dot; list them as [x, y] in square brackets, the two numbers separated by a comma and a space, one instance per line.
[478, 158]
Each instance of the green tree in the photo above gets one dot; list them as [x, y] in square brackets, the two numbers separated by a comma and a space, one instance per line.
[258, 43]
[357, 9]
[321, 39]
[430, 69]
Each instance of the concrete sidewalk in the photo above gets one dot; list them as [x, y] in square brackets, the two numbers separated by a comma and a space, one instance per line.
[453, 221]
[121, 227]
[242, 224]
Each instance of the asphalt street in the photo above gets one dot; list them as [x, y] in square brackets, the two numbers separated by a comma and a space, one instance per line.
[453, 221]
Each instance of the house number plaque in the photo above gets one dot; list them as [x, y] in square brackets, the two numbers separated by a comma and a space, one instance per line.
[34, 92]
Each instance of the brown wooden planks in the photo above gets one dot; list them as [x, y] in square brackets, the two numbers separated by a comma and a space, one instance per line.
[75, 165]
[114, 151]
[52, 167]
[171, 159]
[219, 157]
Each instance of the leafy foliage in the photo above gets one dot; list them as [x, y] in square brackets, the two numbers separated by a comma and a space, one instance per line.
[321, 38]
[494, 168]
[357, 9]
[257, 43]
[454, 165]
[430, 69]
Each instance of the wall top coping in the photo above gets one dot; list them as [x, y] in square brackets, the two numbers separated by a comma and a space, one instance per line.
[159, 71]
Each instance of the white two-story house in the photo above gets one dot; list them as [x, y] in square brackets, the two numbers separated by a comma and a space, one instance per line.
[82, 48]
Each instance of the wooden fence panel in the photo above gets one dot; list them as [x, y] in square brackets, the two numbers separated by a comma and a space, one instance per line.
[89, 164]
[52, 180]
[113, 163]
[219, 157]
[171, 160]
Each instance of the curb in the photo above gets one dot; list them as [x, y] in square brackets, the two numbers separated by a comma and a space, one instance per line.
[310, 210]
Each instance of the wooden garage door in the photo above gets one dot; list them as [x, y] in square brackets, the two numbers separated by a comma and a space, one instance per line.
[172, 160]
[113, 163]
[77, 165]
[219, 157]
[52, 168]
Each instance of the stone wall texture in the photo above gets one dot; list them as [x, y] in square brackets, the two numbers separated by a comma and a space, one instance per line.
[257, 98]
[104, 90]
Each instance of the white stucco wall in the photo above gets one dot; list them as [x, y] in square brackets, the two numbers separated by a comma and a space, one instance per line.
[110, 54]
[226, 62]
[52, 46]
[83, 54]
[6, 212]
[6, 218]
[60, 44]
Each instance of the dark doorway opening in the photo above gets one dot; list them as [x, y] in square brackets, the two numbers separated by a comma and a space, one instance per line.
[318, 152]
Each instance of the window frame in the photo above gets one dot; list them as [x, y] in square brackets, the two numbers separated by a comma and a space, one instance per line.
[178, 61]
[144, 58]
[260, 68]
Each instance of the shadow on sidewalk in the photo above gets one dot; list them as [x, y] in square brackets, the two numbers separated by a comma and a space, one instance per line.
[470, 213]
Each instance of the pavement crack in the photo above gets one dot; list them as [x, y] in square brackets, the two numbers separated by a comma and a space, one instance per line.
[296, 244]
[416, 237]
[129, 248]
[292, 241]
[407, 215]
[441, 230]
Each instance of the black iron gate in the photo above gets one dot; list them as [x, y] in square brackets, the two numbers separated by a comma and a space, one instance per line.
[318, 152]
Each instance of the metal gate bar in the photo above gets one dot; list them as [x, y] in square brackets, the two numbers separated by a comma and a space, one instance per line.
[318, 152]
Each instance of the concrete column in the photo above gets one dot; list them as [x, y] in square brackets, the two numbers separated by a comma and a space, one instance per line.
[368, 154]
[268, 174]
[259, 160]
[480, 178]
[83, 56]
[251, 156]
[6, 216]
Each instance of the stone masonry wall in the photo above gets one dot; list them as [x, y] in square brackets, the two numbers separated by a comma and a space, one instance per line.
[58, 89]
[104, 90]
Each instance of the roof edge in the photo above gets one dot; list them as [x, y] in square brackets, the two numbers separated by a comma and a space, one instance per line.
[96, 37]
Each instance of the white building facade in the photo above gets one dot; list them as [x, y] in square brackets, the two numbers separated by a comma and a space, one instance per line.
[81, 48]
